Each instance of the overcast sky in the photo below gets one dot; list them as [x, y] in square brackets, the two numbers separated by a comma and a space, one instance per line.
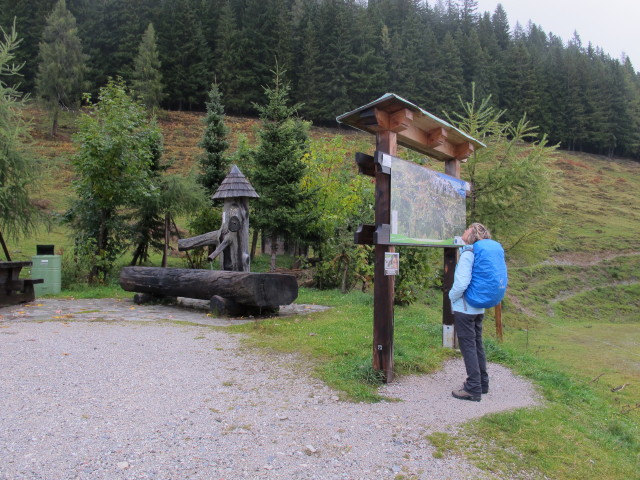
[613, 25]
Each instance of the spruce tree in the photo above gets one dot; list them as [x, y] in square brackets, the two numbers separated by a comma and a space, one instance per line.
[369, 77]
[226, 55]
[29, 17]
[130, 19]
[147, 77]
[62, 65]
[407, 59]
[628, 123]
[279, 168]
[254, 57]
[309, 76]
[186, 74]
[337, 58]
[519, 88]
[452, 86]
[433, 72]
[555, 73]
[575, 88]
[501, 26]
[468, 15]
[213, 162]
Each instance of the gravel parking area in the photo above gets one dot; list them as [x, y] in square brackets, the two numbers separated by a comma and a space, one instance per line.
[105, 389]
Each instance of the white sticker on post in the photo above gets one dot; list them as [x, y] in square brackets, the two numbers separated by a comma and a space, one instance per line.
[448, 336]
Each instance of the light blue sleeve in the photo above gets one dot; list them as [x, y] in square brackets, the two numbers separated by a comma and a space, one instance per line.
[462, 276]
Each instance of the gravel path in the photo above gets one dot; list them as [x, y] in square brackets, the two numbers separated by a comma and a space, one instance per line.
[108, 390]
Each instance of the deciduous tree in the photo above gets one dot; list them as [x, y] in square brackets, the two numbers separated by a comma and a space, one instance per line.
[117, 145]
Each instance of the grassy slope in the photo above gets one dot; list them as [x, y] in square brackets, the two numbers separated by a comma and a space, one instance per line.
[585, 302]
[569, 320]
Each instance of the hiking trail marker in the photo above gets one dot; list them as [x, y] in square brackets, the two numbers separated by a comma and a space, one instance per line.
[395, 121]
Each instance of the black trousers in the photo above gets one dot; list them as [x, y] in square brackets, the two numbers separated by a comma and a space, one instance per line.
[469, 332]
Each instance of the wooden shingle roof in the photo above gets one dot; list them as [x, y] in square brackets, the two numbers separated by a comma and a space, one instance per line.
[235, 185]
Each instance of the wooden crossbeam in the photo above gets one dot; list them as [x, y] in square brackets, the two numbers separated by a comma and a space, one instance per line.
[401, 120]
[459, 152]
[366, 164]
[364, 234]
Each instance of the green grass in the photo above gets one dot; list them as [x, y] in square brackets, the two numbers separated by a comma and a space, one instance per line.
[584, 430]
[596, 203]
[572, 328]
[579, 433]
[336, 345]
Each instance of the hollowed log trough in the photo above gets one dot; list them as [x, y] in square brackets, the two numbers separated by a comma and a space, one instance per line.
[229, 293]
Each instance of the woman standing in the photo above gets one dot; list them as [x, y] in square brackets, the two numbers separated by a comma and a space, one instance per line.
[468, 319]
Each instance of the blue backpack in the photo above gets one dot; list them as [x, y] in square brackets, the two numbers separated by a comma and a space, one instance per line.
[489, 276]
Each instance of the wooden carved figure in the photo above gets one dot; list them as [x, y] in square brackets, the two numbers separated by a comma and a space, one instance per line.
[232, 239]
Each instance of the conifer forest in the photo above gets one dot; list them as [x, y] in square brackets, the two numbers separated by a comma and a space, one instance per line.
[341, 54]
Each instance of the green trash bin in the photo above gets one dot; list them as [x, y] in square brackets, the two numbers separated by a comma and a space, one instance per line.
[49, 268]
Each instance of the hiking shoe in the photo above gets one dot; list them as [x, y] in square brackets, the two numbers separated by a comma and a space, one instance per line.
[485, 390]
[462, 394]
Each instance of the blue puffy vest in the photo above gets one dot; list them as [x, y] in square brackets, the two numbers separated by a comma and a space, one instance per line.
[489, 275]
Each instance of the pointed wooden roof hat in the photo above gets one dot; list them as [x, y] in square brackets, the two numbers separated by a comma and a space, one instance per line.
[235, 185]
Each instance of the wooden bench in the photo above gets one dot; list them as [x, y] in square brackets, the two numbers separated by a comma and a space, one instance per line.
[13, 289]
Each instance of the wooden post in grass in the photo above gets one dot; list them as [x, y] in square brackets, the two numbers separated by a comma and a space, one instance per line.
[395, 121]
[497, 310]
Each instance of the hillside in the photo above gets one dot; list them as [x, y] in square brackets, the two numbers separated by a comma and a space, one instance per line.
[594, 198]
[182, 131]
[575, 313]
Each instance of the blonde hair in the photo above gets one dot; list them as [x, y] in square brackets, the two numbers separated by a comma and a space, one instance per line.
[478, 232]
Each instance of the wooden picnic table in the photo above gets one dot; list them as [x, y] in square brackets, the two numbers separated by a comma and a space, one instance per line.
[13, 289]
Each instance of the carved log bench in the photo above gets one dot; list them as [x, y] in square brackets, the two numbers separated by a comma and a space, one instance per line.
[230, 293]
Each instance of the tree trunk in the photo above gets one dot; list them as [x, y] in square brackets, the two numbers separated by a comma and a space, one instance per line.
[345, 271]
[4, 248]
[101, 246]
[274, 249]
[175, 227]
[254, 242]
[258, 289]
[167, 236]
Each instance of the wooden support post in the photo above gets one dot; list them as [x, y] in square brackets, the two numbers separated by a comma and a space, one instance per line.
[383, 285]
[452, 168]
[448, 331]
[497, 310]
